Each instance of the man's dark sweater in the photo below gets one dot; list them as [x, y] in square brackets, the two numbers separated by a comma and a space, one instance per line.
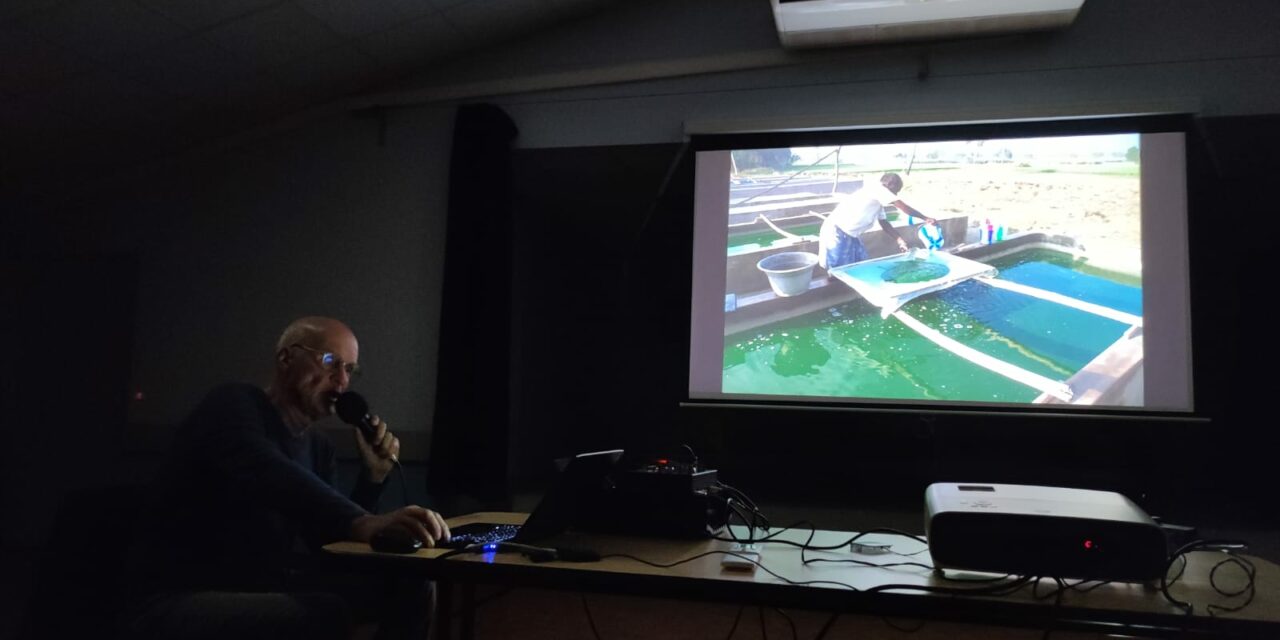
[236, 494]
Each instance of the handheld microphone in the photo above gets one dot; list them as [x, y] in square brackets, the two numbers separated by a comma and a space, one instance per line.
[353, 409]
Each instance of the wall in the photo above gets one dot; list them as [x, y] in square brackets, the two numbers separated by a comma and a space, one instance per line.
[324, 218]
[1121, 57]
[178, 277]
[1184, 55]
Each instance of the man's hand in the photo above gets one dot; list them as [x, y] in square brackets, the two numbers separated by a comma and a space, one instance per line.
[425, 524]
[379, 456]
[902, 244]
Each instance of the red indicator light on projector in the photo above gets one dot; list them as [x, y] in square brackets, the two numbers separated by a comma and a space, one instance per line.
[1088, 544]
[662, 461]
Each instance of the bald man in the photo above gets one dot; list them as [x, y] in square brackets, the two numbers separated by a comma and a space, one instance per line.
[838, 241]
[248, 483]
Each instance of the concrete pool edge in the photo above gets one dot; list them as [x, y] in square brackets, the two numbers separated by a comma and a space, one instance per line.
[1114, 377]
[761, 308]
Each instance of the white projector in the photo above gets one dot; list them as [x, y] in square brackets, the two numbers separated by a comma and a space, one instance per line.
[1042, 531]
[828, 23]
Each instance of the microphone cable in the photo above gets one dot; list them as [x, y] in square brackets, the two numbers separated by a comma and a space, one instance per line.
[404, 484]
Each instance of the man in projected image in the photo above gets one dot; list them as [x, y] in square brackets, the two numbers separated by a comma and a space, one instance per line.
[247, 489]
[838, 241]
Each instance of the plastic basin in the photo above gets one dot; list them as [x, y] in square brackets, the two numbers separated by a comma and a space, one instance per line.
[789, 272]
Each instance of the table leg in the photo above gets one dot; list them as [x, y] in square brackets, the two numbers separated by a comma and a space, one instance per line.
[468, 612]
[444, 611]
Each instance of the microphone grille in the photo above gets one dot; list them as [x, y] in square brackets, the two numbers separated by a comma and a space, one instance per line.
[351, 407]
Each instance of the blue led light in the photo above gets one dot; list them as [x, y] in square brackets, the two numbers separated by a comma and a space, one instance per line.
[492, 546]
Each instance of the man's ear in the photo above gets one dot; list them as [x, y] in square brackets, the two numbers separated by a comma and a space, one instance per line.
[282, 358]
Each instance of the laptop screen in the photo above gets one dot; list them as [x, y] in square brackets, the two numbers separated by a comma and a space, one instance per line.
[582, 478]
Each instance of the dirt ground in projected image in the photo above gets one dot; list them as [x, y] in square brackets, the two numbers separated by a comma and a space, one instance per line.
[1101, 210]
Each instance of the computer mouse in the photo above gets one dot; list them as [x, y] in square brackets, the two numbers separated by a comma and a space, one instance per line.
[395, 539]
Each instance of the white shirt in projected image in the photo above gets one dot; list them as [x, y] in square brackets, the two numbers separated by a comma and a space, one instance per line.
[855, 213]
[860, 210]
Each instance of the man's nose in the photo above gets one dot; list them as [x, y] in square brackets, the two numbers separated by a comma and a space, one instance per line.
[343, 378]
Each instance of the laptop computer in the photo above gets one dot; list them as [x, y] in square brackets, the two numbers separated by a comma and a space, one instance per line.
[580, 478]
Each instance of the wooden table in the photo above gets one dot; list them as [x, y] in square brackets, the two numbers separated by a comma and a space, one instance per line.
[1136, 609]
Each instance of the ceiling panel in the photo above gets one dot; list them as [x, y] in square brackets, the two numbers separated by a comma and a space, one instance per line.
[575, 8]
[187, 68]
[329, 73]
[102, 97]
[17, 9]
[33, 64]
[201, 14]
[261, 97]
[445, 4]
[275, 36]
[414, 43]
[89, 86]
[29, 123]
[103, 30]
[353, 18]
[497, 20]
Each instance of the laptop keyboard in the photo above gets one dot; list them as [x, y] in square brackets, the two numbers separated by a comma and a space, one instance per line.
[498, 533]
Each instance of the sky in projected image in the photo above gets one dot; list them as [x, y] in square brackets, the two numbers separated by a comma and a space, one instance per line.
[1051, 228]
[1073, 148]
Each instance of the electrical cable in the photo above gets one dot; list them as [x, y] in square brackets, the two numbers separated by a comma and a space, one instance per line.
[1228, 547]
[1035, 588]
[775, 533]
[668, 565]
[895, 627]
[472, 548]
[811, 547]
[653, 205]
[459, 610]
[693, 457]
[855, 538]
[1181, 568]
[758, 518]
[742, 497]
[790, 622]
[493, 596]
[1250, 587]
[736, 619]
[942, 574]
[735, 510]
[864, 563]
[826, 626]
[404, 485]
[1100, 583]
[1057, 605]
[1005, 588]
[590, 620]
[1011, 585]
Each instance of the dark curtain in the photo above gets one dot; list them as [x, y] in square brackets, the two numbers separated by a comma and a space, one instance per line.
[469, 436]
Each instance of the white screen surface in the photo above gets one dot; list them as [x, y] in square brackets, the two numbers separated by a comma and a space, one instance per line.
[1088, 305]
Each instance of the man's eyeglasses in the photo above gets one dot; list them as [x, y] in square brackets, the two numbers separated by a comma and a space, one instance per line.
[332, 362]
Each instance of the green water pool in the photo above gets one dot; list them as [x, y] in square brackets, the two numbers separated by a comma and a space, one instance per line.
[757, 240]
[848, 351]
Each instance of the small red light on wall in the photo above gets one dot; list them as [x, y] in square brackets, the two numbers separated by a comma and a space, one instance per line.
[138, 396]
[1088, 544]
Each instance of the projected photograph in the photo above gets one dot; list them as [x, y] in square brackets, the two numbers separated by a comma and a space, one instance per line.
[996, 270]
